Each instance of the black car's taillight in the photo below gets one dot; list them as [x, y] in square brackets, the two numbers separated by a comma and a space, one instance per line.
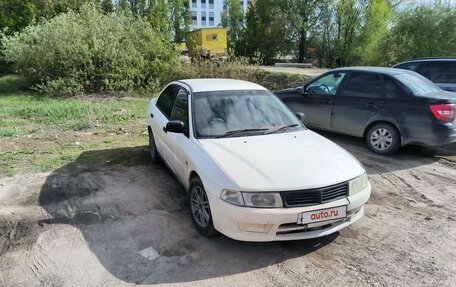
[444, 112]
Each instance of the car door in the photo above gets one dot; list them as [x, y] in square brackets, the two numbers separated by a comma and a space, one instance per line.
[161, 116]
[180, 142]
[360, 99]
[317, 99]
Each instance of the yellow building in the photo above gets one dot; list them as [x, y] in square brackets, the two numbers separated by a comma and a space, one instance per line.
[207, 42]
[180, 46]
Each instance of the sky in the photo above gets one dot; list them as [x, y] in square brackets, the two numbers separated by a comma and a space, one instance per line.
[427, 2]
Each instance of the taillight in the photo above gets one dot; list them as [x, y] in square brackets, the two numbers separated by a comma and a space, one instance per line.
[444, 112]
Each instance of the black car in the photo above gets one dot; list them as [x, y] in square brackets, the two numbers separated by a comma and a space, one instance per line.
[441, 71]
[390, 107]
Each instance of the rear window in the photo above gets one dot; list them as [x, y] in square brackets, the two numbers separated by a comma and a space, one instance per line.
[408, 66]
[439, 72]
[419, 85]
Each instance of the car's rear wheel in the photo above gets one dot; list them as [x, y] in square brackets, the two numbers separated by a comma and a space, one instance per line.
[199, 208]
[153, 153]
[383, 138]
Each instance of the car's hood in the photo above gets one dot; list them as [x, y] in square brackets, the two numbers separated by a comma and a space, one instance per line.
[287, 161]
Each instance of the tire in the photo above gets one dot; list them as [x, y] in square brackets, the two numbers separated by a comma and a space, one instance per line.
[153, 153]
[383, 139]
[199, 208]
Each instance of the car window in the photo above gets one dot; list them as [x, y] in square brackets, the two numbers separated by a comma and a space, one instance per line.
[216, 113]
[327, 84]
[418, 84]
[363, 85]
[392, 89]
[439, 72]
[408, 66]
[166, 100]
[180, 108]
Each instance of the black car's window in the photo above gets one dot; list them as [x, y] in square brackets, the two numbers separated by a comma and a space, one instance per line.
[166, 100]
[327, 84]
[392, 89]
[363, 85]
[180, 108]
[408, 66]
[416, 83]
[439, 72]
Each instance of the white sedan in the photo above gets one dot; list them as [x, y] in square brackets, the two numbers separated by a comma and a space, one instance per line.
[252, 170]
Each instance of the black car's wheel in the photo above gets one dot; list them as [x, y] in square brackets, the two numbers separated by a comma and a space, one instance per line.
[153, 153]
[383, 139]
[199, 208]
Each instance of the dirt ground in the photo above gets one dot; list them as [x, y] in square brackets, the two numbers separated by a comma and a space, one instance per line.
[117, 224]
[313, 72]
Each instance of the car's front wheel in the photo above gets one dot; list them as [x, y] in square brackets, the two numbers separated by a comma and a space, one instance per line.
[199, 208]
[383, 139]
[153, 153]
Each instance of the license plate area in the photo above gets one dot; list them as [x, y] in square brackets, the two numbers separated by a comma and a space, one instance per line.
[320, 215]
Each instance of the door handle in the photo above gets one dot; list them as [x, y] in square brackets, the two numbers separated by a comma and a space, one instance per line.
[327, 101]
[164, 129]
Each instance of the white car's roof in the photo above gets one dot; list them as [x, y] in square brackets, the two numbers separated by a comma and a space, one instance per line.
[207, 85]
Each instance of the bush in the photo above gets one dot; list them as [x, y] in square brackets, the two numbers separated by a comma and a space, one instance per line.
[235, 69]
[90, 51]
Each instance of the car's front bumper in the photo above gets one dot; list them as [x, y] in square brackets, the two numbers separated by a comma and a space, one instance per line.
[272, 224]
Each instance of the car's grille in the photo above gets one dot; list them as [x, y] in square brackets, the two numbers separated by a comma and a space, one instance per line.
[314, 196]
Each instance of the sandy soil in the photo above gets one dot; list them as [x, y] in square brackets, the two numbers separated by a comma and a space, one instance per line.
[314, 72]
[122, 224]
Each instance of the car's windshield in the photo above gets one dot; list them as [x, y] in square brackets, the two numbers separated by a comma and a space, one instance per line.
[418, 84]
[240, 113]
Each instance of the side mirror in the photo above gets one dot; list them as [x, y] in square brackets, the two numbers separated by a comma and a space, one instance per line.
[302, 90]
[300, 116]
[175, 127]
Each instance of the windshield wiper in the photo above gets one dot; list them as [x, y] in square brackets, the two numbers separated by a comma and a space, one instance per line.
[282, 128]
[238, 132]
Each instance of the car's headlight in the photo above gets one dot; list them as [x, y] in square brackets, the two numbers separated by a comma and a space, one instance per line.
[252, 199]
[357, 184]
[256, 199]
[233, 197]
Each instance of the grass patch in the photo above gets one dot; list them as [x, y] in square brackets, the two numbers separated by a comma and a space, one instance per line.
[12, 84]
[24, 112]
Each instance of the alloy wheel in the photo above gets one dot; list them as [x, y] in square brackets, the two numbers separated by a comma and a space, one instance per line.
[200, 206]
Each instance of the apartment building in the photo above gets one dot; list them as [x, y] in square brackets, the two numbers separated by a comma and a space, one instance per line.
[207, 13]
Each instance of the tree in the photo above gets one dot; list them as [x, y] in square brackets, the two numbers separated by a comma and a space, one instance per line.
[376, 20]
[157, 12]
[16, 15]
[270, 36]
[423, 31]
[179, 19]
[232, 18]
[302, 17]
[248, 44]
